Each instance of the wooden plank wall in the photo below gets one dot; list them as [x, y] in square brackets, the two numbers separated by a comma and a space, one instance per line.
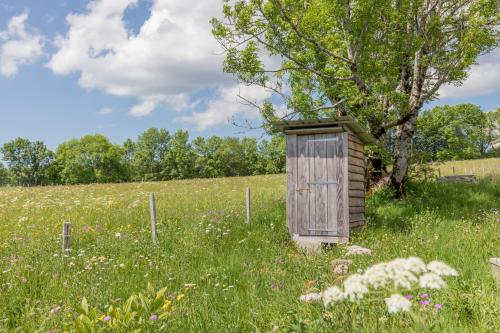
[357, 180]
[291, 183]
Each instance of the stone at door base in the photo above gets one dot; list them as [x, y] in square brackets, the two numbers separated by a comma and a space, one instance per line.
[306, 245]
[495, 268]
[309, 247]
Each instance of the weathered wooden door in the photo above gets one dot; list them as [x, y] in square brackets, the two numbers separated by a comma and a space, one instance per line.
[321, 185]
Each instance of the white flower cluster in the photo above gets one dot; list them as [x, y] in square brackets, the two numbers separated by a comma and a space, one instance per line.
[441, 269]
[311, 297]
[397, 274]
[397, 303]
[333, 294]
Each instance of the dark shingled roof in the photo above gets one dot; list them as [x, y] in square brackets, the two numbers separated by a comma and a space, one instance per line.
[347, 121]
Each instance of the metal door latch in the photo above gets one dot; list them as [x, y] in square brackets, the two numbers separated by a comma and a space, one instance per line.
[326, 182]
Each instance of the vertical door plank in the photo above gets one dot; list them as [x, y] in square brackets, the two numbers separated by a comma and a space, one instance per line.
[311, 156]
[341, 174]
[302, 185]
[331, 156]
[344, 181]
[321, 225]
[291, 183]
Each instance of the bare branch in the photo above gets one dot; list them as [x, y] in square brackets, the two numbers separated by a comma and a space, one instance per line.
[333, 106]
[248, 126]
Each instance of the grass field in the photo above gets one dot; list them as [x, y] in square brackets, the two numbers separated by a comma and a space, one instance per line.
[481, 168]
[248, 277]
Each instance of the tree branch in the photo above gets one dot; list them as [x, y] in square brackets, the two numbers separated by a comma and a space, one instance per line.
[333, 106]
[297, 62]
[295, 28]
[351, 52]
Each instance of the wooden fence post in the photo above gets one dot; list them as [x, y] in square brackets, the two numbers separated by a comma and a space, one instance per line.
[152, 208]
[248, 205]
[439, 172]
[66, 244]
[453, 167]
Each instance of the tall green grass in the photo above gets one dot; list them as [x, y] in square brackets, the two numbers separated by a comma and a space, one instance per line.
[248, 277]
[481, 167]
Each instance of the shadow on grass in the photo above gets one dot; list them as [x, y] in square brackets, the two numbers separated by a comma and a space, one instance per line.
[447, 201]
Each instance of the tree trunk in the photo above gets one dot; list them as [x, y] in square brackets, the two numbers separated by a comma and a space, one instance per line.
[402, 151]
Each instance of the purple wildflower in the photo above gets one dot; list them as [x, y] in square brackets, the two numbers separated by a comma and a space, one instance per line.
[424, 295]
[425, 302]
[409, 296]
[438, 306]
[153, 317]
[107, 318]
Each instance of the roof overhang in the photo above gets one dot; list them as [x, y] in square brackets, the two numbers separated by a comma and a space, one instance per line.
[347, 122]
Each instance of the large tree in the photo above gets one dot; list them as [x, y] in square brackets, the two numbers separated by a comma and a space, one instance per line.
[272, 155]
[179, 159]
[91, 159]
[28, 161]
[381, 60]
[147, 155]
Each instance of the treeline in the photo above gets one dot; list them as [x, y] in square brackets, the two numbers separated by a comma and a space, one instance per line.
[443, 133]
[155, 155]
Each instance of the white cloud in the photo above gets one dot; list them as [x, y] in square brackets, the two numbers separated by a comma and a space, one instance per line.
[18, 46]
[106, 110]
[144, 108]
[483, 79]
[172, 56]
[226, 104]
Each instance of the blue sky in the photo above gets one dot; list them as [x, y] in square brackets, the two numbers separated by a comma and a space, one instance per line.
[117, 67]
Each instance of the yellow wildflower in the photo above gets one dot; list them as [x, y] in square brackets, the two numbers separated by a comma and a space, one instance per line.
[166, 305]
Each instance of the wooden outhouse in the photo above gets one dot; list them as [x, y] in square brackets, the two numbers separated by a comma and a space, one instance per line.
[325, 178]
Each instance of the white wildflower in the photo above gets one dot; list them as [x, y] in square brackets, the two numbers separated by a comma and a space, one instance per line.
[431, 281]
[440, 268]
[118, 235]
[397, 303]
[404, 279]
[396, 265]
[355, 287]
[415, 265]
[311, 297]
[333, 294]
[376, 276]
